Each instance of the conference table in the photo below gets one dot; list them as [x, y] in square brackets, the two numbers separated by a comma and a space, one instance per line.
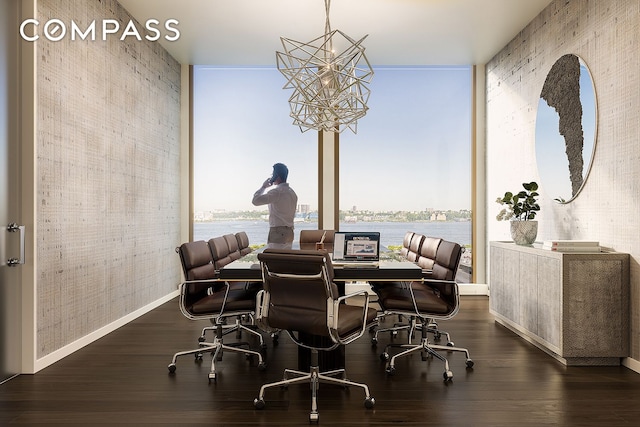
[386, 271]
[249, 271]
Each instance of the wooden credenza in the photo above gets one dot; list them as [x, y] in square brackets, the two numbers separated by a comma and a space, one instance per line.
[574, 306]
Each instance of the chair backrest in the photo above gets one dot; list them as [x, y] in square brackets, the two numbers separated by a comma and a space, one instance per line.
[309, 238]
[219, 252]
[298, 284]
[447, 261]
[406, 242]
[414, 247]
[243, 243]
[428, 252]
[232, 243]
[197, 264]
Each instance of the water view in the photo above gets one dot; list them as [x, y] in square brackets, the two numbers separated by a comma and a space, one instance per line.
[391, 233]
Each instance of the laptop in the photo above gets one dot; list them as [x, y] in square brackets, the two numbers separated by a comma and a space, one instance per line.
[356, 249]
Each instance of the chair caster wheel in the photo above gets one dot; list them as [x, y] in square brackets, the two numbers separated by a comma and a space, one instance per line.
[448, 375]
[374, 341]
[172, 368]
[469, 363]
[394, 333]
[391, 370]
[262, 366]
[369, 402]
[201, 339]
[198, 357]
[212, 377]
[450, 344]
[258, 403]
[313, 417]
[384, 356]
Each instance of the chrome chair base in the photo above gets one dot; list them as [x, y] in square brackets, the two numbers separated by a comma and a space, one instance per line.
[314, 377]
[216, 348]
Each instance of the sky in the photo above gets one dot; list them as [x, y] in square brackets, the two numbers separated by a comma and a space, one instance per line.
[412, 150]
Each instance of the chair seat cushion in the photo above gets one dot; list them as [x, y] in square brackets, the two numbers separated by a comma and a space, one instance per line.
[250, 287]
[350, 319]
[427, 300]
[314, 322]
[237, 300]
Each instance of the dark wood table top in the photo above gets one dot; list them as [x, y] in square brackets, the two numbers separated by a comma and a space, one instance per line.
[241, 270]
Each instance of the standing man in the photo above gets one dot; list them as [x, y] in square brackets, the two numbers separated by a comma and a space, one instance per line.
[282, 201]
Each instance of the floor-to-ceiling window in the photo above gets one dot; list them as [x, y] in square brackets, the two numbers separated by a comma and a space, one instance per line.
[241, 128]
[407, 169]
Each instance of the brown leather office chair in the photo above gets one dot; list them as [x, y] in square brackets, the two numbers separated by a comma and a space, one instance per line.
[427, 248]
[428, 255]
[414, 247]
[202, 296]
[439, 259]
[406, 242]
[428, 300]
[234, 248]
[442, 266]
[309, 238]
[300, 298]
[223, 254]
[243, 243]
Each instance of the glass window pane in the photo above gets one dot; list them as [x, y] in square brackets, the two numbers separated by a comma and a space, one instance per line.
[241, 128]
[409, 166]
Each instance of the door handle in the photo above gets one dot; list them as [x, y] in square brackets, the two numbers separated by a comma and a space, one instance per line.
[12, 228]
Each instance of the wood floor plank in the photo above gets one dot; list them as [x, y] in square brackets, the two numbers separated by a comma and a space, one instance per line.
[122, 379]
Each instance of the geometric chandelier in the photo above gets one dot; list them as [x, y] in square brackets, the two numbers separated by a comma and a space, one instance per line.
[330, 90]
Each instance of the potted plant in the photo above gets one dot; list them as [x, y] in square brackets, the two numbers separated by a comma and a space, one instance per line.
[521, 209]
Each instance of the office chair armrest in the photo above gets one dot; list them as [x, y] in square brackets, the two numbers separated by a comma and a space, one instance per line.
[262, 312]
[213, 282]
[442, 287]
[447, 290]
[333, 310]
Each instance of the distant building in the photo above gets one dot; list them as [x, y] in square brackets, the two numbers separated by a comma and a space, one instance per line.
[203, 216]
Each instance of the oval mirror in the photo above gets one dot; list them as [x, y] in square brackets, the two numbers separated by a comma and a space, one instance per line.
[566, 129]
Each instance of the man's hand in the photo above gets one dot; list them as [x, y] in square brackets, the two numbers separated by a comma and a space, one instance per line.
[267, 183]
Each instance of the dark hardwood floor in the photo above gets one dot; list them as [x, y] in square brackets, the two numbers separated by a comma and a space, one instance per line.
[122, 379]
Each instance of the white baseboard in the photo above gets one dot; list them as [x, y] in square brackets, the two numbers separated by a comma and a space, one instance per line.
[63, 352]
[473, 289]
[632, 364]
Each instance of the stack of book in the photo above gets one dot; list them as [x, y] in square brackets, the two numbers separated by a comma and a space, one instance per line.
[571, 245]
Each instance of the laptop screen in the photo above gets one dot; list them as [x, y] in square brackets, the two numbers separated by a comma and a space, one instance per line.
[356, 246]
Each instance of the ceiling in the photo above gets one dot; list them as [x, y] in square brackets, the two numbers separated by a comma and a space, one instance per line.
[400, 32]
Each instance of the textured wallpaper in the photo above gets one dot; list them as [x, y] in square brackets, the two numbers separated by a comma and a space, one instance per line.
[604, 34]
[107, 174]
